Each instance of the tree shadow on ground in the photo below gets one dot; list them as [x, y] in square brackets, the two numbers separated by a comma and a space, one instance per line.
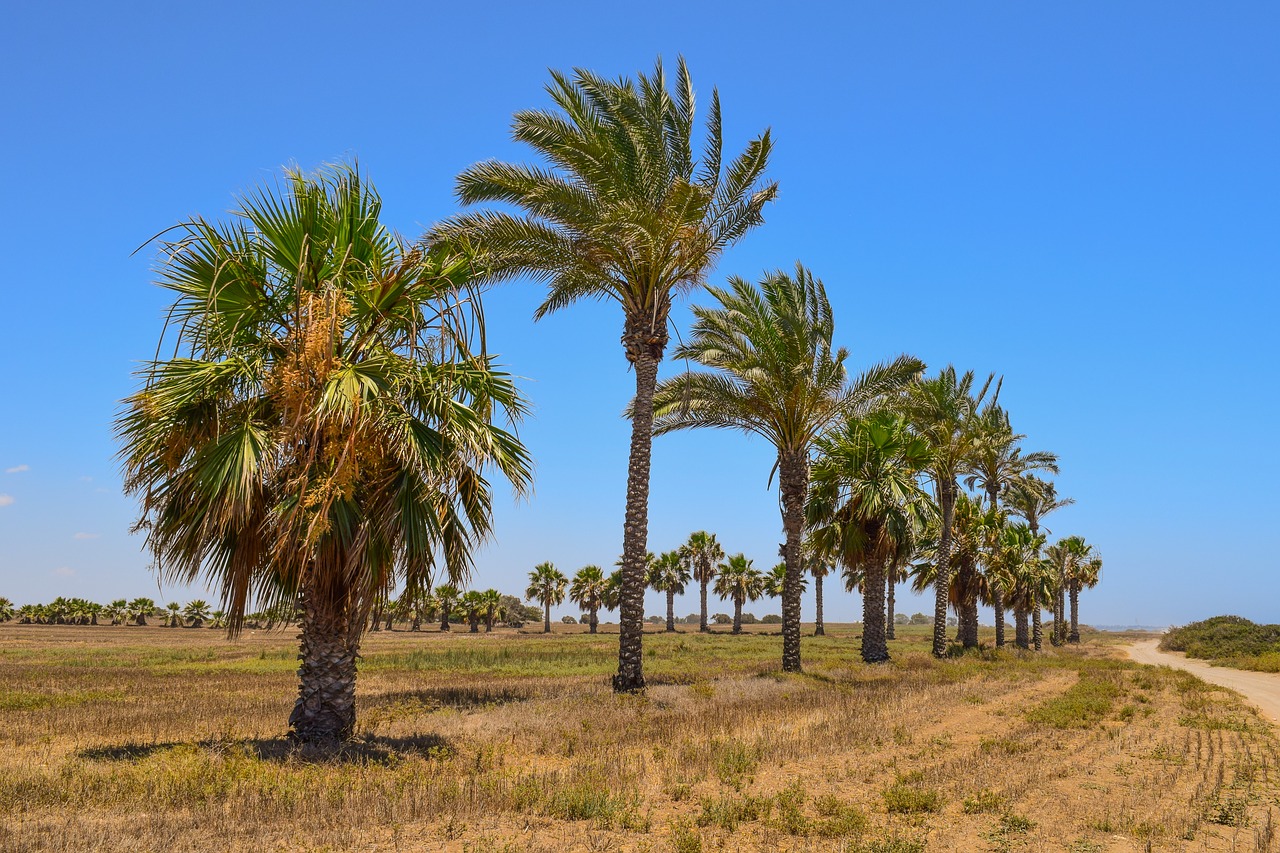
[368, 749]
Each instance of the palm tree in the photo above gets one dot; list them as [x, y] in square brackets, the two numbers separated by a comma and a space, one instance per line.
[778, 377]
[1018, 572]
[546, 586]
[117, 611]
[997, 463]
[625, 213]
[818, 567]
[611, 593]
[6, 609]
[669, 573]
[1032, 499]
[775, 580]
[1086, 573]
[493, 608]
[329, 428]
[865, 506]
[445, 601]
[196, 611]
[973, 526]
[472, 605]
[139, 609]
[703, 554]
[943, 411]
[414, 603]
[740, 581]
[588, 592]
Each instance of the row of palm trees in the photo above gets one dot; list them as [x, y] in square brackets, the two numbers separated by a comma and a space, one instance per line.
[329, 427]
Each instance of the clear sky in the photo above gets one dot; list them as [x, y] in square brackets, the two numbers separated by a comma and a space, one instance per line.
[1080, 196]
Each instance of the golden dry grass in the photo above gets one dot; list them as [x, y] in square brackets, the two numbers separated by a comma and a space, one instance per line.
[154, 738]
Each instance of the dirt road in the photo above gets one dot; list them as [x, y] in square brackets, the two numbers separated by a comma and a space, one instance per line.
[1260, 688]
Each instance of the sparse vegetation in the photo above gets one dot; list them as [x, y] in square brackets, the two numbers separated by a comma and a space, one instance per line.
[1228, 641]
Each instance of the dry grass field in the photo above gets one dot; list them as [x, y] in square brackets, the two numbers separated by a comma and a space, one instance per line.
[171, 739]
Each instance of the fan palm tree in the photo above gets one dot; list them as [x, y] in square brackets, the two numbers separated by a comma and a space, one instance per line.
[445, 602]
[415, 603]
[818, 567]
[1019, 573]
[973, 525]
[493, 608]
[588, 592]
[611, 593]
[1085, 574]
[997, 463]
[943, 411]
[546, 586]
[704, 554]
[624, 213]
[1032, 499]
[775, 581]
[329, 428]
[669, 573]
[6, 609]
[472, 606]
[776, 376]
[139, 609]
[864, 506]
[196, 612]
[740, 582]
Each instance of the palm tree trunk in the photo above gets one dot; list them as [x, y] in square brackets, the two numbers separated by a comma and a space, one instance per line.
[702, 624]
[1060, 614]
[325, 713]
[941, 585]
[1075, 614]
[1037, 631]
[1020, 637]
[595, 619]
[474, 622]
[417, 621]
[737, 615]
[546, 616]
[391, 618]
[818, 630]
[793, 479]
[644, 345]
[874, 647]
[444, 621]
[997, 604]
[671, 610]
[890, 626]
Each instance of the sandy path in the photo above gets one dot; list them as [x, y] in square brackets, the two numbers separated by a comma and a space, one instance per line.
[1260, 688]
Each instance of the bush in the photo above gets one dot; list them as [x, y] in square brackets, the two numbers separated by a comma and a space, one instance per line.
[749, 619]
[907, 799]
[692, 619]
[569, 620]
[771, 619]
[1223, 637]
[722, 619]
[655, 620]
[921, 619]
[901, 619]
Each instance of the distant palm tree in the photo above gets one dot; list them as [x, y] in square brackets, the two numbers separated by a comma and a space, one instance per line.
[414, 603]
[775, 580]
[6, 609]
[196, 612]
[611, 593]
[1086, 574]
[1018, 572]
[117, 611]
[493, 608]
[472, 605]
[546, 586]
[625, 213]
[328, 429]
[973, 526]
[703, 554]
[669, 573]
[740, 582]
[943, 411]
[818, 567]
[588, 592]
[140, 608]
[1032, 499]
[778, 376]
[444, 601]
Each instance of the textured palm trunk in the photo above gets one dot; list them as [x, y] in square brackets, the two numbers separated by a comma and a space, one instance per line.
[890, 627]
[595, 619]
[416, 625]
[391, 618]
[671, 610]
[1037, 630]
[644, 344]
[793, 478]
[1060, 615]
[874, 647]
[488, 624]
[702, 623]
[1020, 636]
[1074, 637]
[997, 604]
[546, 616]
[737, 615]
[941, 585]
[967, 610]
[818, 630]
[325, 713]
[474, 623]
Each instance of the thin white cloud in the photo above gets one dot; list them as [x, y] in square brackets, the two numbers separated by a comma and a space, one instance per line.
[86, 536]
[5, 500]
[17, 469]
[64, 572]
[86, 479]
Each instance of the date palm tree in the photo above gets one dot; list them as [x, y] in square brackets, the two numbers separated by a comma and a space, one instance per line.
[669, 573]
[1019, 573]
[704, 555]
[943, 410]
[329, 427]
[997, 463]
[864, 506]
[740, 582]
[546, 586]
[777, 376]
[623, 211]
[1032, 499]
[973, 526]
[588, 592]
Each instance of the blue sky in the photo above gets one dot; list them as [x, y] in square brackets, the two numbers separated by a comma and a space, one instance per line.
[1081, 197]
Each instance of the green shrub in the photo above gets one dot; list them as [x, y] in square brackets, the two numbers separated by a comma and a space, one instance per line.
[907, 799]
